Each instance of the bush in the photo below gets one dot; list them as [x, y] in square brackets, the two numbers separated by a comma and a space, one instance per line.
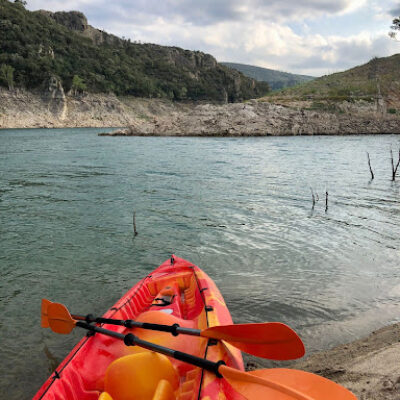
[7, 76]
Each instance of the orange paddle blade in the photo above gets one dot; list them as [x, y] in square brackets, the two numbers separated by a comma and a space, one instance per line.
[60, 320]
[44, 319]
[284, 384]
[272, 340]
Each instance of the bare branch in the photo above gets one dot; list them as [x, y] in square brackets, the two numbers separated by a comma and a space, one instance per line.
[134, 224]
[326, 201]
[313, 198]
[397, 166]
[370, 168]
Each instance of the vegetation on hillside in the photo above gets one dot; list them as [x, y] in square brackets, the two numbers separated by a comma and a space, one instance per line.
[379, 77]
[35, 47]
[275, 79]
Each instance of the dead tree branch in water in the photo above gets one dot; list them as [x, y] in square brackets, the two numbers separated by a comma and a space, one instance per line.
[313, 198]
[394, 169]
[134, 224]
[370, 168]
[326, 201]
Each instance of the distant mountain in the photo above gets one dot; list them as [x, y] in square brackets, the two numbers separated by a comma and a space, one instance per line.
[62, 48]
[275, 79]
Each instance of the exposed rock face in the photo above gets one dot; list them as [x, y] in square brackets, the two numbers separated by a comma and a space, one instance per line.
[53, 108]
[76, 21]
[259, 119]
[54, 96]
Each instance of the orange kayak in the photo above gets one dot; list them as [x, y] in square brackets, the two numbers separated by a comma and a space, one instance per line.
[102, 367]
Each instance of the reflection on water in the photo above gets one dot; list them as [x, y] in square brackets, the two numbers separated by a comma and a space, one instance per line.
[239, 208]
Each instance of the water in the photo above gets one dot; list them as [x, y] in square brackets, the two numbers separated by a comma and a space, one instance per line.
[239, 208]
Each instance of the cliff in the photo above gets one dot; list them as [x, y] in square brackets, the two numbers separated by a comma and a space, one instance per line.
[36, 46]
[77, 22]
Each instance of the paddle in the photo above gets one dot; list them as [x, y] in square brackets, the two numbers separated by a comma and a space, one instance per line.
[272, 340]
[277, 384]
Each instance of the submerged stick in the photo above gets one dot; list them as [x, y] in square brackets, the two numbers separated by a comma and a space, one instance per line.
[326, 201]
[394, 169]
[313, 198]
[370, 168]
[134, 224]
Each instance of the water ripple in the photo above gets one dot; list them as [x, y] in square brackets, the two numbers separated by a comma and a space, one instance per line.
[239, 208]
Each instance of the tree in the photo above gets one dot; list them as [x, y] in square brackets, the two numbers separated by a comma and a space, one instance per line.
[22, 2]
[78, 86]
[7, 75]
[395, 27]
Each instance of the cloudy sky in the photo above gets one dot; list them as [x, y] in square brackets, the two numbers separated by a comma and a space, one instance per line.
[313, 37]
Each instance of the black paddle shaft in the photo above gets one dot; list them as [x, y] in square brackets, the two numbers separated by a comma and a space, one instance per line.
[174, 329]
[132, 340]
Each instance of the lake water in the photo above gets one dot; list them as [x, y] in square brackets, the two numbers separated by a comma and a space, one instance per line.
[241, 209]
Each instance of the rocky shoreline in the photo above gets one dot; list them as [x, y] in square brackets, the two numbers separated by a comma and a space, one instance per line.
[255, 118]
[52, 108]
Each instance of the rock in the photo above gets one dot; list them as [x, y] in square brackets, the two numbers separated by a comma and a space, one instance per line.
[147, 117]
[260, 119]
[77, 21]
[55, 97]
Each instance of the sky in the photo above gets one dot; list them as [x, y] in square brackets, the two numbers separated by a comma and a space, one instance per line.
[311, 37]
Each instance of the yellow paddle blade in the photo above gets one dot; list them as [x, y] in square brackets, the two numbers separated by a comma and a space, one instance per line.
[284, 384]
[44, 319]
[59, 318]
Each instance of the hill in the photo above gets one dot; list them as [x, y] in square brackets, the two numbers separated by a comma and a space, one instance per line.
[377, 81]
[61, 48]
[275, 79]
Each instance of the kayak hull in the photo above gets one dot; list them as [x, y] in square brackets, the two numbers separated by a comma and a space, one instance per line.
[176, 292]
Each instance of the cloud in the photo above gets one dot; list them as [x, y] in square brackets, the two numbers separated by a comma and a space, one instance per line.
[340, 53]
[272, 45]
[395, 12]
[205, 12]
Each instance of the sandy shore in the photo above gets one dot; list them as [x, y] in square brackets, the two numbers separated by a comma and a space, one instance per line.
[369, 367]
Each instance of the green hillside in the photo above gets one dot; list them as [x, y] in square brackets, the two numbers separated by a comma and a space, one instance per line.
[275, 79]
[380, 77]
[38, 46]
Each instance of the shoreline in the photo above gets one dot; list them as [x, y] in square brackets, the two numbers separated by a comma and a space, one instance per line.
[156, 117]
[246, 135]
[112, 134]
[256, 118]
[369, 367]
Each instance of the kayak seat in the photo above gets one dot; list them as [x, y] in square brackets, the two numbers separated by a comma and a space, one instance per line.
[170, 297]
[182, 279]
[141, 376]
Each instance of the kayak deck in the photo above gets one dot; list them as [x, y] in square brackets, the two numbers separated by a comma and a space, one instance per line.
[177, 292]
